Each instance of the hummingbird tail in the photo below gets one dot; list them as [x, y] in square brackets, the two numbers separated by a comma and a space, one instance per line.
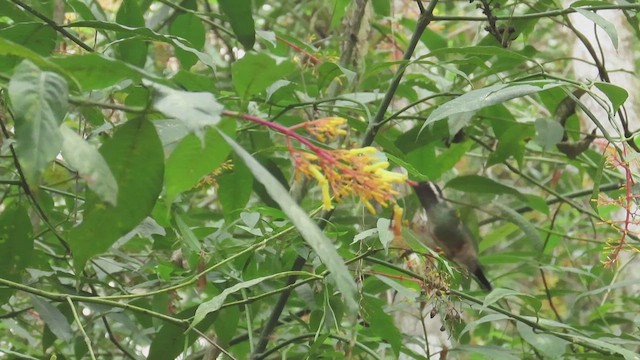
[482, 280]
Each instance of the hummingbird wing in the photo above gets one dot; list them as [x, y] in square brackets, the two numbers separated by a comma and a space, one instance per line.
[457, 242]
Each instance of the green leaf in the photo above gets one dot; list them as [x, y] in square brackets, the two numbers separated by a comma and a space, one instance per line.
[550, 346]
[524, 224]
[130, 49]
[39, 100]
[616, 94]
[511, 144]
[338, 9]
[16, 245]
[481, 185]
[327, 71]
[381, 7]
[549, 133]
[90, 165]
[491, 95]
[603, 23]
[215, 303]
[196, 109]
[234, 189]
[136, 159]
[170, 341]
[8, 47]
[146, 33]
[189, 27]
[191, 160]
[381, 323]
[190, 239]
[38, 37]
[90, 70]
[255, 72]
[54, 319]
[323, 247]
[239, 14]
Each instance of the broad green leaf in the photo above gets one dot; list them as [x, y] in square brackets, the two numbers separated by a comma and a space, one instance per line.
[255, 72]
[190, 28]
[481, 185]
[234, 189]
[616, 94]
[603, 23]
[172, 339]
[90, 165]
[192, 160]
[525, 225]
[16, 245]
[550, 346]
[146, 33]
[382, 323]
[38, 37]
[130, 49]
[134, 155]
[197, 110]
[39, 100]
[239, 14]
[491, 95]
[215, 303]
[548, 133]
[8, 47]
[90, 70]
[54, 319]
[323, 247]
[511, 144]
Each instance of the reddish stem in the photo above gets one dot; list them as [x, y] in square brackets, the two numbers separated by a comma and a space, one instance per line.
[285, 131]
[314, 60]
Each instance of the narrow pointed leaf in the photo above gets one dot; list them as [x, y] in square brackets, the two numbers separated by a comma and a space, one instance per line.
[311, 233]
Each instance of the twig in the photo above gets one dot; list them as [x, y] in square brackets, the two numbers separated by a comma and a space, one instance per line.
[375, 123]
[85, 337]
[52, 23]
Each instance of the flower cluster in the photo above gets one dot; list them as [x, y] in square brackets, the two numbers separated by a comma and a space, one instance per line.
[341, 172]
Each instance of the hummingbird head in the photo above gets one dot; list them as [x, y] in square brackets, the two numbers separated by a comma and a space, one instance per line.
[428, 193]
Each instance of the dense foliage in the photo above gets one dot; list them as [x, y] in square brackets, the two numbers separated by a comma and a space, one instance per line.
[226, 179]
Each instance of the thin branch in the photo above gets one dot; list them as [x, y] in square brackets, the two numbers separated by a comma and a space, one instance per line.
[544, 14]
[375, 123]
[60, 297]
[85, 337]
[52, 23]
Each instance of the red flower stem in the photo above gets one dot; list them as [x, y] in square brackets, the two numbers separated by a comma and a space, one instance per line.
[283, 130]
[314, 60]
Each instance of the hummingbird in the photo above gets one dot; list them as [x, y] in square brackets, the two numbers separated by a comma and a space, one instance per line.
[448, 232]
